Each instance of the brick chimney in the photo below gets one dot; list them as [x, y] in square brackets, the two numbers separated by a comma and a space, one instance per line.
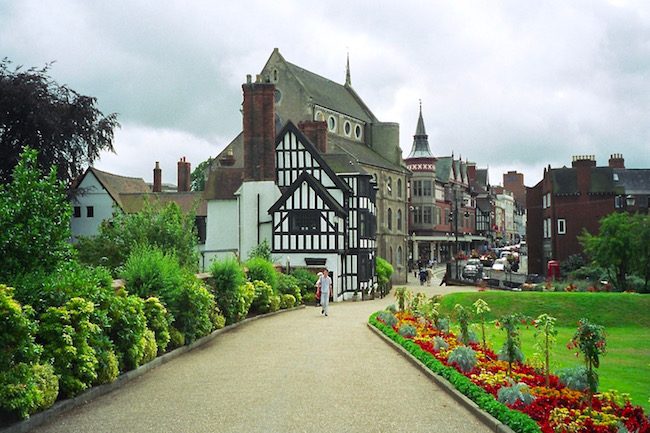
[184, 175]
[259, 130]
[616, 161]
[583, 165]
[471, 172]
[316, 132]
[157, 178]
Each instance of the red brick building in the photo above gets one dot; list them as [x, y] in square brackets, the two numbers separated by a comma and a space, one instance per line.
[568, 200]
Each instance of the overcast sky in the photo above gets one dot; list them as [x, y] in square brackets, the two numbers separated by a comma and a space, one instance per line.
[510, 85]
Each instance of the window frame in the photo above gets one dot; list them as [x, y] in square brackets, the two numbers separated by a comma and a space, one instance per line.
[298, 221]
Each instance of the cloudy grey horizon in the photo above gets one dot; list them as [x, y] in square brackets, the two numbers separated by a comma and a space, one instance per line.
[510, 85]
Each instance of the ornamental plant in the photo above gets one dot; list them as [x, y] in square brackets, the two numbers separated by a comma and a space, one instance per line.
[430, 311]
[590, 340]
[158, 321]
[388, 318]
[407, 331]
[403, 296]
[229, 290]
[464, 357]
[262, 270]
[481, 309]
[516, 392]
[511, 350]
[463, 316]
[418, 302]
[545, 338]
[263, 294]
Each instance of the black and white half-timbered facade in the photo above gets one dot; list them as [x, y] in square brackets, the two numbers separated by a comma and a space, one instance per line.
[324, 219]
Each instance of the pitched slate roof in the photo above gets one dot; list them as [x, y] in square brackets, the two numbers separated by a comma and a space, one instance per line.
[186, 201]
[322, 192]
[116, 185]
[443, 169]
[332, 95]
[361, 153]
[632, 181]
[343, 163]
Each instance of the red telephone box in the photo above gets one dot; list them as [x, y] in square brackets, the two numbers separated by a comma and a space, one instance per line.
[553, 270]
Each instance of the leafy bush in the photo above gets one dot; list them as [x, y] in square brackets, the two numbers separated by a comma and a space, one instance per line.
[150, 346]
[263, 294]
[275, 302]
[176, 338]
[107, 364]
[443, 324]
[572, 263]
[439, 343]
[309, 298]
[262, 251]
[65, 333]
[306, 281]
[192, 306]
[230, 295]
[148, 271]
[288, 284]
[26, 389]
[516, 392]
[464, 357]
[158, 321]
[262, 270]
[574, 378]
[407, 331]
[17, 331]
[287, 301]
[388, 318]
[164, 227]
[34, 219]
[128, 324]
[384, 270]
[392, 308]
[217, 319]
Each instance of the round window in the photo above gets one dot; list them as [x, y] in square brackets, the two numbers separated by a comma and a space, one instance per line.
[357, 132]
[331, 123]
[277, 95]
[348, 128]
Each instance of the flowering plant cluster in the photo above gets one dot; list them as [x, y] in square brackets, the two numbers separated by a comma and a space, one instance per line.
[554, 407]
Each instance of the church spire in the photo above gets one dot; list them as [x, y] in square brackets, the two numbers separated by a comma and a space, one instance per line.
[420, 147]
[348, 82]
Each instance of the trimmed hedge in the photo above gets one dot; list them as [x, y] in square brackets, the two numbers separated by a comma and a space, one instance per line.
[519, 422]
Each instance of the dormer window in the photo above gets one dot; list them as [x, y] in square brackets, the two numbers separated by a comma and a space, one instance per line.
[331, 123]
[347, 128]
[357, 132]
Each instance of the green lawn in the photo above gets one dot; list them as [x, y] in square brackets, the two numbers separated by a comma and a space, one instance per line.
[626, 317]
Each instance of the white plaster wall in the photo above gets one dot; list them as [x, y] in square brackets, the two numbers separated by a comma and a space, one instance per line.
[256, 223]
[222, 231]
[97, 197]
[332, 264]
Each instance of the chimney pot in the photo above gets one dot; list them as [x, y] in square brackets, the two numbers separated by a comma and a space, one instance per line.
[157, 178]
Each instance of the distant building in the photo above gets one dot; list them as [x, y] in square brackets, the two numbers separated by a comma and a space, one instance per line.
[353, 141]
[569, 200]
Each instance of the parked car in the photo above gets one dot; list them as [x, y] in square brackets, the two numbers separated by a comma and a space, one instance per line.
[501, 264]
[473, 270]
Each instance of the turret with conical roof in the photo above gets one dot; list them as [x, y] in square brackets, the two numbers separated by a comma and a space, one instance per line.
[420, 147]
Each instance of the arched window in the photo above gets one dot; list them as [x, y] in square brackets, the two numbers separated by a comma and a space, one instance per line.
[399, 256]
[389, 186]
[389, 222]
[399, 219]
[390, 255]
[399, 188]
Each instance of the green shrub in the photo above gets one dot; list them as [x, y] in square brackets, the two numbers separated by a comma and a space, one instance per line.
[262, 301]
[275, 302]
[192, 306]
[128, 324]
[388, 318]
[217, 319]
[228, 279]
[260, 269]
[158, 321]
[407, 331]
[176, 338]
[150, 346]
[574, 378]
[65, 333]
[384, 270]
[443, 325]
[287, 301]
[107, 364]
[26, 389]
[262, 250]
[148, 271]
[309, 298]
[288, 285]
[17, 331]
[392, 308]
[464, 357]
[516, 392]
[306, 281]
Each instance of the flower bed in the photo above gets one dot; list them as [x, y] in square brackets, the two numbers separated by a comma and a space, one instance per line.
[554, 409]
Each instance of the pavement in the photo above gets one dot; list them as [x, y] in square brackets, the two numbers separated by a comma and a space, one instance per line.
[292, 372]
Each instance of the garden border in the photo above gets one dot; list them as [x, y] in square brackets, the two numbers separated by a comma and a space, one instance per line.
[485, 417]
[90, 394]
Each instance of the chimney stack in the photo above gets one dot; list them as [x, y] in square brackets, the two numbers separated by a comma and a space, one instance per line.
[616, 161]
[184, 175]
[157, 178]
[316, 132]
[259, 131]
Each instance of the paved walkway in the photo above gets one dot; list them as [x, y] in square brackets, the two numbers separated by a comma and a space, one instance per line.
[292, 372]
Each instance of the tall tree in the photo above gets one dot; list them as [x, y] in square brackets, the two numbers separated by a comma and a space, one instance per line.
[66, 128]
[199, 175]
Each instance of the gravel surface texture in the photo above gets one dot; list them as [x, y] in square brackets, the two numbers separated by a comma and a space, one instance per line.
[293, 372]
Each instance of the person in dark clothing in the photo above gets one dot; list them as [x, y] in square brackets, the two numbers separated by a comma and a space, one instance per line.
[423, 276]
[444, 279]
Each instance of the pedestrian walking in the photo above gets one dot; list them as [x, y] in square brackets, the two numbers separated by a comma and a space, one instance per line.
[444, 279]
[429, 276]
[325, 287]
[317, 285]
[423, 276]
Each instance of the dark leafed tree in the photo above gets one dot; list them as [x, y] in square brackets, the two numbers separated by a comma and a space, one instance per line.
[199, 175]
[66, 128]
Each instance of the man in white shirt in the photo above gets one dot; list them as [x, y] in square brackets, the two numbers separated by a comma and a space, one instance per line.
[325, 287]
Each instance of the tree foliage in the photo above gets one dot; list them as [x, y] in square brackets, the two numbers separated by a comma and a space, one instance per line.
[34, 220]
[67, 128]
[166, 228]
[621, 247]
[199, 175]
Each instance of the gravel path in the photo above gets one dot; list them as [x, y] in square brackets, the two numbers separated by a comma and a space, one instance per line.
[292, 372]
